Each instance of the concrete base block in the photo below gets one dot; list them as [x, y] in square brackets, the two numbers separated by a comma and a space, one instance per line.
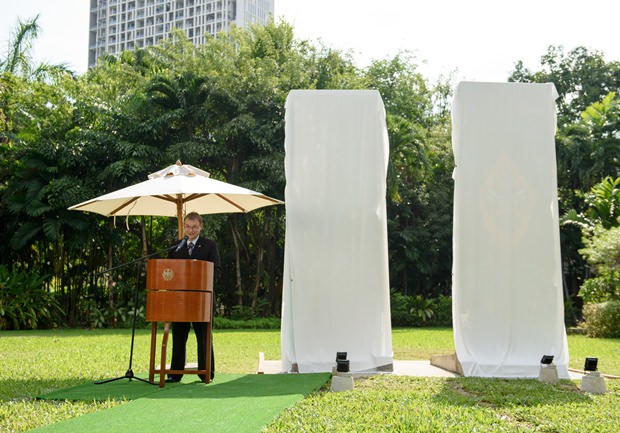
[548, 374]
[448, 362]
[593, 383]
[341, 383]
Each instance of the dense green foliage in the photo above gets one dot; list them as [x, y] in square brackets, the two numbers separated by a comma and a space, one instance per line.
[603, 319]
[600, 228]
[417, 310]
[582, 77]
[220, 106]
[603, 254]
[24, 304]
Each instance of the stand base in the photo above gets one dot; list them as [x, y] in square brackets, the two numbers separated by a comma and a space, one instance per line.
[341, 383]
[593, 383]
[128, 375]
[548, 374]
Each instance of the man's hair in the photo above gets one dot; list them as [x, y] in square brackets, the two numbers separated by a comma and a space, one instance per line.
[194, 216]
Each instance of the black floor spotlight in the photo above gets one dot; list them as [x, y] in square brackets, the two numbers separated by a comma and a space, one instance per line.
[342, 363]
[591, 364]
[592, 381]
[546, 359]
[548, 371]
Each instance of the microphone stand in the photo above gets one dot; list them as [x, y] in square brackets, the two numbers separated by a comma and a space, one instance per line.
[129, 373]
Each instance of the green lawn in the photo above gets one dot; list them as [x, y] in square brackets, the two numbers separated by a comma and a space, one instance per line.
[35, 362]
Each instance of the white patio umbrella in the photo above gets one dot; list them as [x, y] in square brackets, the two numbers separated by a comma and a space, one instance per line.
[170, 191]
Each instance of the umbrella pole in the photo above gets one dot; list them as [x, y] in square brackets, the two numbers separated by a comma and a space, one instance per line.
[180, 216]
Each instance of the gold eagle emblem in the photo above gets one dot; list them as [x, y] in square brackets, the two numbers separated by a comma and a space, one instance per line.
[167, 274]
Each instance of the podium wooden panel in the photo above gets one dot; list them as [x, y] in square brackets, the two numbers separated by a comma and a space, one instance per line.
[178, 291]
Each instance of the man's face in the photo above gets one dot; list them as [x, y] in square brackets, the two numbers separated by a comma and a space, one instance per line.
[192, 228]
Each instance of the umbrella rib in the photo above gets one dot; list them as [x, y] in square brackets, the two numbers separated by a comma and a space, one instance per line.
[180, 196]
[167, 198]
[232, 203]
[124, 205]
[195, 196]
[273, 200]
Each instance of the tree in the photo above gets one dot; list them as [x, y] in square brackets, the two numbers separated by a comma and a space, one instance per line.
[404, 90]
[419, 201]
[586, 139]
[599, 225]
[18, 59]
[603, 207]
[181, 102]
[219, 106]
[581, 77]
[246, 124]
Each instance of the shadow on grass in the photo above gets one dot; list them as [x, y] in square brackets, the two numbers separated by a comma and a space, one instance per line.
[249, 385]
[27, 389]
[498, 393]
[61, 337]
[224, 386]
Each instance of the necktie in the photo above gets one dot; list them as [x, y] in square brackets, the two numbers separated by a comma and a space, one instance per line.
[190, 247]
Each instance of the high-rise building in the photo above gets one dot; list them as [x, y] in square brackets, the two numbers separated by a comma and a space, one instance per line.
[120, 25]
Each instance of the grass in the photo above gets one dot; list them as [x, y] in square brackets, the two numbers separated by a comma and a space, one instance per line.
[35, 362]
[407, 404]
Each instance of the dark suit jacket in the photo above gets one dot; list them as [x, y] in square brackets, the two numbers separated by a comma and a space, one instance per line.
[205, 249]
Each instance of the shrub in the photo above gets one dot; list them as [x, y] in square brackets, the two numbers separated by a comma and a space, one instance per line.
[400, 306]
[600, 288]
[24, 301]
[99, 315]
[603, 319]
[442, 306]
[258, 323]
[602, 252]
[420, 311]
[241, 312]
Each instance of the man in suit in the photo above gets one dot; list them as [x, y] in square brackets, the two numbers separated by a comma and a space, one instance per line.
[198, 248]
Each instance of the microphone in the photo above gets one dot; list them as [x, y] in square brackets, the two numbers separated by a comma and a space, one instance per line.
[182, 243]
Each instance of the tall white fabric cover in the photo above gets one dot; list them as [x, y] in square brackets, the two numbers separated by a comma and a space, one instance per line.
[336, 288]
[507, 282]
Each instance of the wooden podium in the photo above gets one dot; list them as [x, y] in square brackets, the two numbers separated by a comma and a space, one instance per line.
[178, 291]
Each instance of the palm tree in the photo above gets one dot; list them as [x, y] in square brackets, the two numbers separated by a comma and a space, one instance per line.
[17, 69]
[18, 59]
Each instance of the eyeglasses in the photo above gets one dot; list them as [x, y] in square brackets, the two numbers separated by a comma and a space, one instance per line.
[190, 228]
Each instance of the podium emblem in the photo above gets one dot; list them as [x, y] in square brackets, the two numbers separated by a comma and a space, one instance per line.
[167, 274]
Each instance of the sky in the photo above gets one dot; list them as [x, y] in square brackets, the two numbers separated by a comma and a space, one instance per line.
[476, 40]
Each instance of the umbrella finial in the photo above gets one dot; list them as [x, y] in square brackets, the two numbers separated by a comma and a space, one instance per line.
[179, 169]
[179, 162]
